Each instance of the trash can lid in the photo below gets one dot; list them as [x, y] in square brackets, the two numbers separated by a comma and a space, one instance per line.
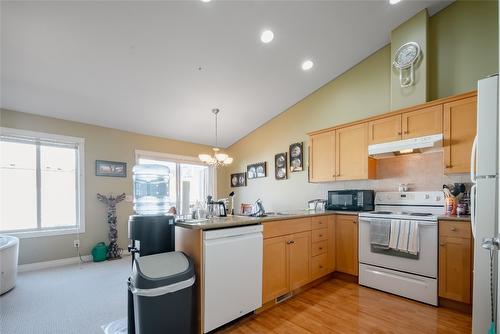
[162, 269]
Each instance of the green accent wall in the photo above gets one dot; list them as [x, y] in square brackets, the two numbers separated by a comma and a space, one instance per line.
[463, 47]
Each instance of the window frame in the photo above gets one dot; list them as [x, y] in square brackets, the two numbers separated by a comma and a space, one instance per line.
[36, 136]
[180, 159]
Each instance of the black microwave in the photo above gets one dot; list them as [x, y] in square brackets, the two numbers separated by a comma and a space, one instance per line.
[350, 200]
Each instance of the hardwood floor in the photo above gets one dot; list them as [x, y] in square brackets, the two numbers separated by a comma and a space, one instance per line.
[336, 306]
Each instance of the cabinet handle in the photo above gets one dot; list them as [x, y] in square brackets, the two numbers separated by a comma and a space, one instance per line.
[442, 244]
[354, 222]
[291, 242]
[321, 248]
[406, 132]
[448, 166]
[320, 267]
[320, 235]
[453, 229]
[399, 133]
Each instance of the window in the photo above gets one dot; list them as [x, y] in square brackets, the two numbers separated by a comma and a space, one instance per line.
[190, 180]
[41, 183]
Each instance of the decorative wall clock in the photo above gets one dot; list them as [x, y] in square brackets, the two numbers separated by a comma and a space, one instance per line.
[405, 59]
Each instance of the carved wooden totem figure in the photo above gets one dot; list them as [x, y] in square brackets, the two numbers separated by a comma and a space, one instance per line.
[114, 252]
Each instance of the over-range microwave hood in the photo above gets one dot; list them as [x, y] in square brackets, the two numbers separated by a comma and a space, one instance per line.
[413, 145]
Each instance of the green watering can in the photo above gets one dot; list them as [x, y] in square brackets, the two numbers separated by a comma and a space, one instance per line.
[99, 252]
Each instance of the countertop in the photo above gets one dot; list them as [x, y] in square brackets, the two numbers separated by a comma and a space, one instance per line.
[465, 218]
[234, 221]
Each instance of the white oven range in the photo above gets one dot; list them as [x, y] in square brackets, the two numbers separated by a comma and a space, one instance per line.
[409, 274]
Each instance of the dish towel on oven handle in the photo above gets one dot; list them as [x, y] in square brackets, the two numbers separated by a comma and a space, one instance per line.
[404, 233]
[393, 240]
[413, 238]
[380, 230]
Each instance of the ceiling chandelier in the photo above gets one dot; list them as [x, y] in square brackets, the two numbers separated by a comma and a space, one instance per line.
[218, 159]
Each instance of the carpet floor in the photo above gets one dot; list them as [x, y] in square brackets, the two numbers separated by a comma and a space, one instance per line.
[70, 299]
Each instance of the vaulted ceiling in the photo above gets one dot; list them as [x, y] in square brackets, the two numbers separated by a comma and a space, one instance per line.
[159, 67]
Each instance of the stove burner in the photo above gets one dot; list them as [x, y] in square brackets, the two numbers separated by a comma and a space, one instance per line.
[421, 214]
[381, 212]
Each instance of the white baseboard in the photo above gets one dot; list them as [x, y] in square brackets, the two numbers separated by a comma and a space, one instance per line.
[56, 263]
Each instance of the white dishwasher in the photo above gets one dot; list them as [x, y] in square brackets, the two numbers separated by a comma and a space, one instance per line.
[233, 273]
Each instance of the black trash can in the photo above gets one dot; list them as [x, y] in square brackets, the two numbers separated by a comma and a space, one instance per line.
[163, 290]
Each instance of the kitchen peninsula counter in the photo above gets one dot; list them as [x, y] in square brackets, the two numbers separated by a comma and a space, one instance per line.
[237, 220]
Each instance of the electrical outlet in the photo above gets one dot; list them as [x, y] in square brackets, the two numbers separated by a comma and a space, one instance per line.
[76, 243]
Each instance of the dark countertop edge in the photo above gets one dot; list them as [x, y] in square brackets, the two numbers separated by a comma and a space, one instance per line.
[455, 218]
[259, 220]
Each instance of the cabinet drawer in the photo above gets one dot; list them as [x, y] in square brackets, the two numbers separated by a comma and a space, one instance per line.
[284, 227]
[319, 222]
[319, 247]
[454, 229]
[319, 235]
[319, 266]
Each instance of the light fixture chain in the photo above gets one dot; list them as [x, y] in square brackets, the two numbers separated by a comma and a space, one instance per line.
[216, 139]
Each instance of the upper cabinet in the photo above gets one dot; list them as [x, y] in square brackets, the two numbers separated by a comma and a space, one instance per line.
[351, 153]
[341, 152]
[422, 122]
[322, 157]
[459, 130]
[384, 130]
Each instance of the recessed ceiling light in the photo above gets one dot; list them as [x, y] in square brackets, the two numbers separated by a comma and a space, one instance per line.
[392, 2]
[267, 36]
[307, 65]
[211, 0]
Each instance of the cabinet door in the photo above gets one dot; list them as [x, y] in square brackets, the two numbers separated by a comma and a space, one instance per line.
[331, 244]
[300, 256]
[459, 130]
[346, 240]
[384, 130]
[422, 122]
[351, 153]
[275, 280]
[322, 157]
[455, 268]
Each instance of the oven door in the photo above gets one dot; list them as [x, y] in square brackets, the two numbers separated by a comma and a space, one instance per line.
[425, 265]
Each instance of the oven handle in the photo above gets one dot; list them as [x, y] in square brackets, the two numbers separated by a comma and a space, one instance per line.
[420, 224]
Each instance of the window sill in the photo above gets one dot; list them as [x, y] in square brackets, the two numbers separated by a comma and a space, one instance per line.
[44, 233]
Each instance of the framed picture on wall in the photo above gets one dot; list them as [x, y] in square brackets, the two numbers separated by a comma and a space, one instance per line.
[110, 168]
[256, 171]
[281, 166]
[296, 157]
[238, 180]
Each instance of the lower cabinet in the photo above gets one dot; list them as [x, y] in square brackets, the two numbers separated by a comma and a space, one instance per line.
[346, 244]
[299, 250]
[275, 271]
[304, 253]
[455, 261]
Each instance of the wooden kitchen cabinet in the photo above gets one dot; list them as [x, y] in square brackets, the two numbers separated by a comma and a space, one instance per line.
[455, 261]
[346, 244]
[299, 248]
[459, 130]
[384, 130]
[422, 122]
[351, 153]
[275, 270]
[322, 157]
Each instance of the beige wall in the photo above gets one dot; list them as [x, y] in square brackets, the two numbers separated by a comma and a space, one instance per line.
[463, 48]
[100, 143]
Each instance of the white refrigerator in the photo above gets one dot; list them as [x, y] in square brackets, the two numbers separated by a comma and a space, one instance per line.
[484, 202]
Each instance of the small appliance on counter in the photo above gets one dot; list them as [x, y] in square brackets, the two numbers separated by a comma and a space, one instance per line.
[216, 208]
[350, 200]
[317, 204]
